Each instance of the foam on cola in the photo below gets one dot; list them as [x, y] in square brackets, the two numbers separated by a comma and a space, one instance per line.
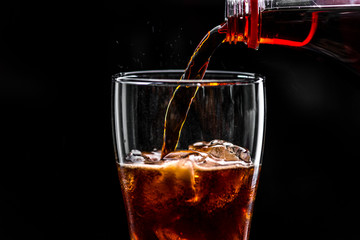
[205, 192]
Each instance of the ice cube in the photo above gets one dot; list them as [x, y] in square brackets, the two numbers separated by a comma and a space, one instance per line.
[198, 157]
[240, 152]
[216, 142]
[222, 153]
[164, 186]
[199, 146]
[175, 181]
[152, 157]
[221, 150]
[135, 156]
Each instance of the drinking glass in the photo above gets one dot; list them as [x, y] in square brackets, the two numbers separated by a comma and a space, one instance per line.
[205, 188]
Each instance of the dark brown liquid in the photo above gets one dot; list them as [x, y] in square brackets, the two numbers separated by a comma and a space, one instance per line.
[181, 200]
[331, 31]
[181, 100]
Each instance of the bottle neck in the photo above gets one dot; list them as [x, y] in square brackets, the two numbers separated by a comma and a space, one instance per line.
[243, 19]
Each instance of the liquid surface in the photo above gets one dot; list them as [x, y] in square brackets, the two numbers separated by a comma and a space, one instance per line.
[203, 154]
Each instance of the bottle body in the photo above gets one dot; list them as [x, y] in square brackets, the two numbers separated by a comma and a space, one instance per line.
[318, 25]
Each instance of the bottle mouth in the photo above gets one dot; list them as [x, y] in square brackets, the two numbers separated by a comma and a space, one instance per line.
[243, 19]
[235, 8]
[235, 12]
[242, 8]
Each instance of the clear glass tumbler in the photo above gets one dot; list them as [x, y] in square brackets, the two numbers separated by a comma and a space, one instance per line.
[205, 188]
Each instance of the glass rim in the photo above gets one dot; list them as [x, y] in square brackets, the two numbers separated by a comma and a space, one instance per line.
[143, 78]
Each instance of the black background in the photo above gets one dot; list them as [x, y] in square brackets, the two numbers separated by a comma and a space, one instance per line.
[58, 177]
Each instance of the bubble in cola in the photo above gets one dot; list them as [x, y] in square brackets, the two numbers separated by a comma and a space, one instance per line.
[205, 192]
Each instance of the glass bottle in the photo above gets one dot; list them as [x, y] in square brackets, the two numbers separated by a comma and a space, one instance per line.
[326, 26]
